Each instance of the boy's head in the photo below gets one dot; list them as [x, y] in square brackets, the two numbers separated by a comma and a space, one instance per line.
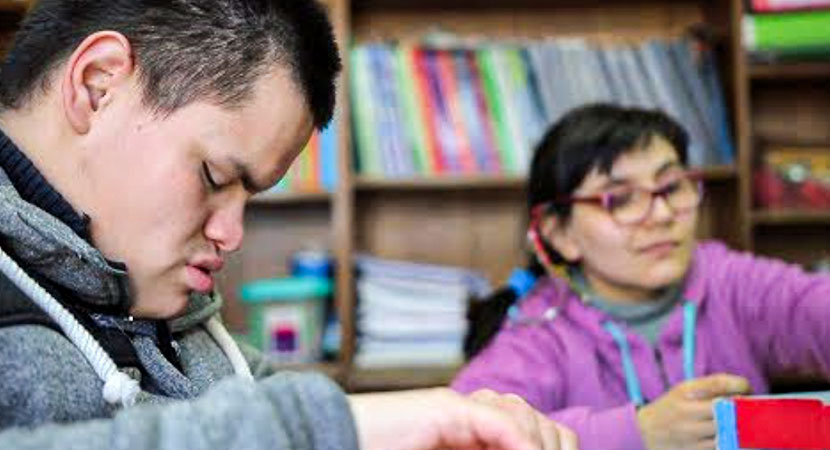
[592, 184]
[184, 50]
[159, 119]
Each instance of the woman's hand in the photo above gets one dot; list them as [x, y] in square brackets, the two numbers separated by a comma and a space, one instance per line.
[683, 418]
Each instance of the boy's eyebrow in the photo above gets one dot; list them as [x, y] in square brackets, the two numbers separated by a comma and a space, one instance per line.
[245, 176]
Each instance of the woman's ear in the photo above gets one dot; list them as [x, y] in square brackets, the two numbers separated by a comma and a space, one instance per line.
[92, 73]
[558, 234]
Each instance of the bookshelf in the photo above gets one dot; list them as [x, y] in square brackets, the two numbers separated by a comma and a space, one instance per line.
[789, 71]
[791, 217]
[779, 102]
[478, 221]
[286, 198]
[14, 6]
[399, 378]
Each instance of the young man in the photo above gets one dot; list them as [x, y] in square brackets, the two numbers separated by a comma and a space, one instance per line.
[133, 132]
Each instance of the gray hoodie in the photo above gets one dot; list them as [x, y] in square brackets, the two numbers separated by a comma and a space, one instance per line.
[50, 397]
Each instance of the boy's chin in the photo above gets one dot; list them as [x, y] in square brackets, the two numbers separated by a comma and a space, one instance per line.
[170, 308]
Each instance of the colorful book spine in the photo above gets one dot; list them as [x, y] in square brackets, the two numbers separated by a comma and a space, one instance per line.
[313, 163]
[364, 123]
[492, 162]
[414, 115]
[497, 108]
[444, 129]
[453, 101]
[788, 5]
[328, 157]
[429, 99]
[787, 31]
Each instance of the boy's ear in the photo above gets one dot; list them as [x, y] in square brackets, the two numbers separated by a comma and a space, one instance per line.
[99, 65]
[559, 237]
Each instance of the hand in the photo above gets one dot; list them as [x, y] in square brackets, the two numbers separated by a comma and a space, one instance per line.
[682, 418]
[432, 419]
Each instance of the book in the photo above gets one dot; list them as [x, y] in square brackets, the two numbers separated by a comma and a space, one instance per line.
[792, 421]
[414, 114]
[787, 5]
[794, 31]
[364, 123]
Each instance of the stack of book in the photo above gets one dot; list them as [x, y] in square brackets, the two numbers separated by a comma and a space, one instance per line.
[412, 314]
[315, 169]
[788, 30]
[429, 110]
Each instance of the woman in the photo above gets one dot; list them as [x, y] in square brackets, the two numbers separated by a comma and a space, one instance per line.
[636, 327]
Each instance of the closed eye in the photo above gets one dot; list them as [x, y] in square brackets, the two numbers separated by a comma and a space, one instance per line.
[211, 182]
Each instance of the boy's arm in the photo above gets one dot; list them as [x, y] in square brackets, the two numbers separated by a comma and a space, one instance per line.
[282, 411]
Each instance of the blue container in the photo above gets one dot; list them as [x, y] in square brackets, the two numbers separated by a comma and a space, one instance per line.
[287, 316]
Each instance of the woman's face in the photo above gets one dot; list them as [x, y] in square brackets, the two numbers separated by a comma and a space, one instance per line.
[629, 262]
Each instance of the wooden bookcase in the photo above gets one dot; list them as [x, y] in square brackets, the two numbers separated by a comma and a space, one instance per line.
[783, 103]
[478, 222]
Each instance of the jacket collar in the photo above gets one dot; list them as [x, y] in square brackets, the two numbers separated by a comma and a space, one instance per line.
[557, 292]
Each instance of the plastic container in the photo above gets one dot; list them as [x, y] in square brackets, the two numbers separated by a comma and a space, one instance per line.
[286, 316]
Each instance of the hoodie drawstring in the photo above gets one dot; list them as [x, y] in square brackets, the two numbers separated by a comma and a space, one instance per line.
[118, 386]
[632, 382]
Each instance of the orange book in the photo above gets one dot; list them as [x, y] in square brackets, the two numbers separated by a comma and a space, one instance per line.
[449, 82]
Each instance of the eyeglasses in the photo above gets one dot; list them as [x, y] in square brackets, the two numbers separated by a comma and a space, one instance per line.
[631, 205]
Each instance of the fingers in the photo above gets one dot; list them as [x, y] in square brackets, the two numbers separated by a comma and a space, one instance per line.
[698, 431]
[708, 444]
[517, 408]
[567, 438]
[697, 409]
[713, 386]
[541, 432]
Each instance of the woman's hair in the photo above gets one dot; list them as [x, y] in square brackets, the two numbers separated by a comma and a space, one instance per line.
[586, 138]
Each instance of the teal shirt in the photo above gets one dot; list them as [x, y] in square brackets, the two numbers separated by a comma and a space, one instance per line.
[646, 318]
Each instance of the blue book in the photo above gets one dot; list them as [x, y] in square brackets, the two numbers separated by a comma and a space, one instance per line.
[443, 123]
[328, 156]
[711, 79]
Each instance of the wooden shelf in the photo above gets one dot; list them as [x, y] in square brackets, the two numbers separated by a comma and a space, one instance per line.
[791, 217]
[291, 198]
[18, 6]
[790, 71]
[718, 173]
[362, 380]
[363, 183]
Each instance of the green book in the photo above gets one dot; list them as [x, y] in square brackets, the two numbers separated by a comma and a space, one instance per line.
[496, 104]
[782, 31]
[404, 71]
[364, 123]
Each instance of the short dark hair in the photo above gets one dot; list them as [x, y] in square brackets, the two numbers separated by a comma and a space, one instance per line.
[589, 137]
[593, 137]
[185, 50]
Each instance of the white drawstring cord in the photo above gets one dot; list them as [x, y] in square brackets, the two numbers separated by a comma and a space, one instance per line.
[229, 347]
[118, 387]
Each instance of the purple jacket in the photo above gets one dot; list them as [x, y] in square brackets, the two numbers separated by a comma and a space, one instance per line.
[756, 317]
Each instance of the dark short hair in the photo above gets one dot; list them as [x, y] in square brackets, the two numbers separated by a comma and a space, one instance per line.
[593, 137]
[185, 50]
